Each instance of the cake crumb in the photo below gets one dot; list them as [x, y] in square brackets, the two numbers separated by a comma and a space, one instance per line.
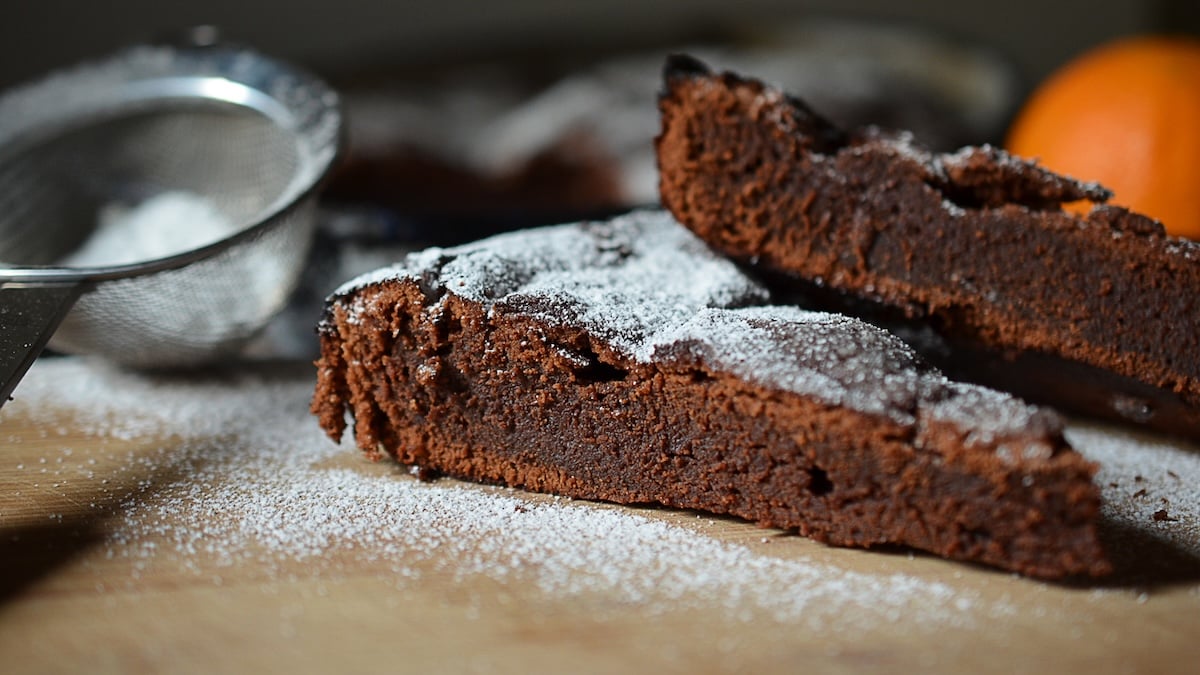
[1161, 515]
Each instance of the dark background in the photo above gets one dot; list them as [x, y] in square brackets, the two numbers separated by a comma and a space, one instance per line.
[341, 37]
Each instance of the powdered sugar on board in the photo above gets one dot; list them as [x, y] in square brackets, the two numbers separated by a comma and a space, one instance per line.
[257, 483]
[1150, 485]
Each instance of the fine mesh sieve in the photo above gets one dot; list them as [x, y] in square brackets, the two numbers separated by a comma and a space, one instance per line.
[247, 133]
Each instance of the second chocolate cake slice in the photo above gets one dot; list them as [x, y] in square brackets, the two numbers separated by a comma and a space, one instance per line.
[624, 361]
[1095, 314]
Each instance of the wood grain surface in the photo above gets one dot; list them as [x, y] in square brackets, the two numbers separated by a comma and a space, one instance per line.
[83, 591]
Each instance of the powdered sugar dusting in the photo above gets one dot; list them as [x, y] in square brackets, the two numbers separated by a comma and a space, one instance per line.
[654, 292]
[803, 351]
[257, 488]
[644, 261]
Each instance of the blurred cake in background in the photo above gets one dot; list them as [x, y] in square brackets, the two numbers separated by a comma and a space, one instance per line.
[456, 153]
[519, 144]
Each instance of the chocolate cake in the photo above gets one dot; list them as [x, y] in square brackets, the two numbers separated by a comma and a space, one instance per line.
[1094, 313]
[625, 361]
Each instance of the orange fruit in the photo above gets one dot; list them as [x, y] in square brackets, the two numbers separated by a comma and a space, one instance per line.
[1127, 115]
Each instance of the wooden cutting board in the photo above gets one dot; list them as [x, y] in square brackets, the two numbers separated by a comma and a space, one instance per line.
[201, 523]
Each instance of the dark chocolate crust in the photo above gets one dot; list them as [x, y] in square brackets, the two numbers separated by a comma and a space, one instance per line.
[973, 244]
[808, 422]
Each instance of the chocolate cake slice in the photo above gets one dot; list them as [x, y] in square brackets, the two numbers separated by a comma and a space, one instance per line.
[1096, 314]
[624, 361]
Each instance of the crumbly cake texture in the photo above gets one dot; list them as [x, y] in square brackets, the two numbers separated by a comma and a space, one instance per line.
[1095, 314]
[625, 361]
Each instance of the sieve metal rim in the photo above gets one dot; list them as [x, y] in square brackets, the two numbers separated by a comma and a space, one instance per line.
[36, 298]
[146, 76]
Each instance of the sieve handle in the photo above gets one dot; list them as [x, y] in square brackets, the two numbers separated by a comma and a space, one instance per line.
[29, 314]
